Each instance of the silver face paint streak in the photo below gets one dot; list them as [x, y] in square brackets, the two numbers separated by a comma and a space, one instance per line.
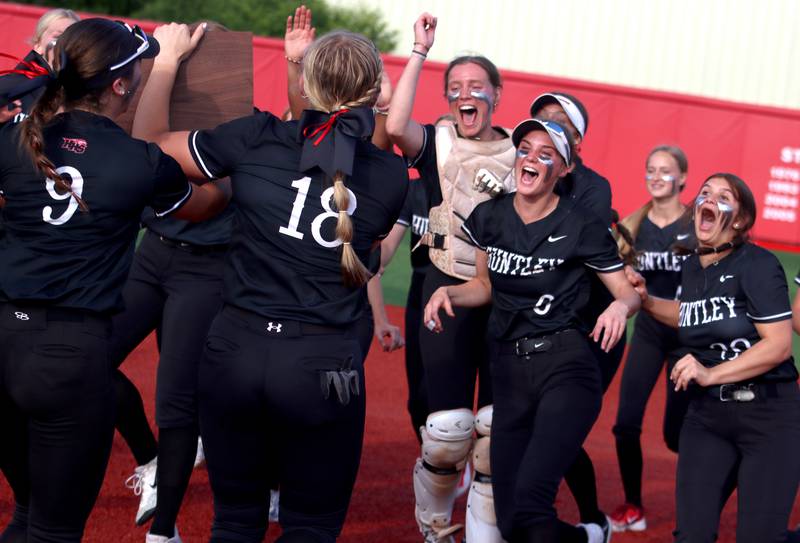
[725, 209]
[480, 95]
[477, 94]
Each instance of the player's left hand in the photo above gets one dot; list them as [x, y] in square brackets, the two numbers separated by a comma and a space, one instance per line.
[486, 181]
[389, 336]
[299, 33]
[689, 369]
[610, 325]
[176, 42]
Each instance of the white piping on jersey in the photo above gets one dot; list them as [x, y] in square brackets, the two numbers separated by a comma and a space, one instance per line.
[777, 315]
[797, 280]
[609, 268]
[403, 222]
[471, 237]
[178, 204]
[200, 158]
[413, 162]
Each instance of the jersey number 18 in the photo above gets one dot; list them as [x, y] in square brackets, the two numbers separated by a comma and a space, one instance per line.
[302, 186]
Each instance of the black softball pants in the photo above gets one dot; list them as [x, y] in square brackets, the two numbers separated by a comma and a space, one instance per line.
[453, 358]
[280, 403]
[544, 407]
[417, 404]
[57, 413]
[178, 293]
[651, 345]
[755, 442]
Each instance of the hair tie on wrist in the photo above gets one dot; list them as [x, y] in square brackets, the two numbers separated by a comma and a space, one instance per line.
[423, 55]
[423, 45]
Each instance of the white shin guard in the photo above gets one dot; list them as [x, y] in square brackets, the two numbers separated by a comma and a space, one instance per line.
[481, 519]
[446, 442]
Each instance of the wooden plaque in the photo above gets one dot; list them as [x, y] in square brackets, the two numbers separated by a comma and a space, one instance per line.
[212, 86]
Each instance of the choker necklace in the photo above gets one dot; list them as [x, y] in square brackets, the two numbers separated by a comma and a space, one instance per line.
[724, 247]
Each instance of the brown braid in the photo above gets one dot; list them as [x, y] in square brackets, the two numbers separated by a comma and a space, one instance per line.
[32, 139]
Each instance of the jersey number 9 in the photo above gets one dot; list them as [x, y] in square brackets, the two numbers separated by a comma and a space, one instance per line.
[77, 189]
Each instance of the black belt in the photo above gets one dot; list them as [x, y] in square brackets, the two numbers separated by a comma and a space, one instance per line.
[749, 392]
[191, 247]
[542, 344]
[283, 327]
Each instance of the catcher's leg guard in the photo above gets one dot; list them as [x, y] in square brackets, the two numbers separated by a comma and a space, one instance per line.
[481, 518]
[446, 442]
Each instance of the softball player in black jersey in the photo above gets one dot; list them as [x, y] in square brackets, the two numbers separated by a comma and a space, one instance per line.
[743, 421]
[654, 228]
[593, 192]
[174, 287]
[75, 185]
[534, 249]
[463, 163]
[281, 382]
[414, 215]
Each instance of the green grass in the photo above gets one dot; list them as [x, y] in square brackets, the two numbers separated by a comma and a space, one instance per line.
[398, 274]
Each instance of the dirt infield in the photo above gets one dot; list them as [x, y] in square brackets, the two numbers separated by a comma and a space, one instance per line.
[382, 506]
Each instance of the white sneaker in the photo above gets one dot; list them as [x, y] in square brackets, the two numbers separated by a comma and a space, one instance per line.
[200, 458]
[143, 483]
[595, 533]
[152, 538]
[274, 505]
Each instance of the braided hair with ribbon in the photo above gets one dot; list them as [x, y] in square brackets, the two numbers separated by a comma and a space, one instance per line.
[342, 79]
[88, 57]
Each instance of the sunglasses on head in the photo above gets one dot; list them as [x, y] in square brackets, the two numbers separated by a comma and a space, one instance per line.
[139, 34]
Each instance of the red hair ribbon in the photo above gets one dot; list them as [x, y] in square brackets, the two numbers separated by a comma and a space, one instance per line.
[324, 128]
[33, 69]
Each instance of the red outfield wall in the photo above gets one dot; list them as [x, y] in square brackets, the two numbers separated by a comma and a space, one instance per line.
[760, 144]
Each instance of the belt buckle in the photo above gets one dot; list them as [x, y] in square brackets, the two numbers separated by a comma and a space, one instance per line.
[738, 393]
[540, 345]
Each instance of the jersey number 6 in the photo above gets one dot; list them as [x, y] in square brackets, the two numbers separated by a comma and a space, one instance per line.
[72, 207]
[302, 186]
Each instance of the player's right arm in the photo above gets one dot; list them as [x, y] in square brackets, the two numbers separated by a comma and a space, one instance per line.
[404, 131]
[151, 122]
[474, 293]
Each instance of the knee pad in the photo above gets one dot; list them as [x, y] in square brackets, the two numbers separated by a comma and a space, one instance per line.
[480, 452]
[481, 518]
[447, 438]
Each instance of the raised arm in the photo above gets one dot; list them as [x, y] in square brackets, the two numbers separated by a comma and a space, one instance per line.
[405, 132]
[299, 35]
[151, 122]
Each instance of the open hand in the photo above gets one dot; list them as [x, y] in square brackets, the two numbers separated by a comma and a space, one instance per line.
[439, 300]
[176, 42]
[610, 325]
[299, 33]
